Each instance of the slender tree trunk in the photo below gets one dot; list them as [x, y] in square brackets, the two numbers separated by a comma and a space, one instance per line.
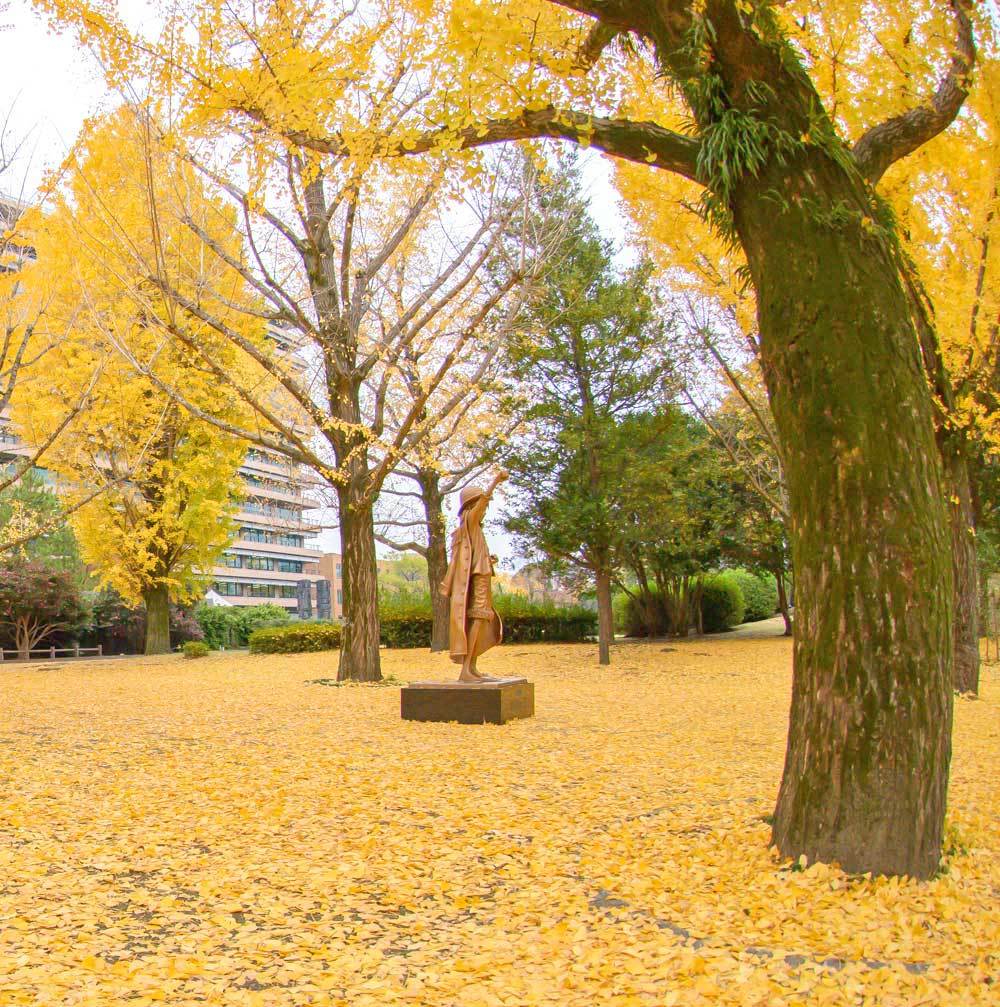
[437, 555]
[783, 607]
[157, 602]
[869, 745]
[605, 617]
[359, 653]
[965, 565]
[22, 640]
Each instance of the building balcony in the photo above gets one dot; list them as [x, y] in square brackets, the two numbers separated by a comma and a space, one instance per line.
[244, 575]
[249, 515]
[290, 494]
[310, 553]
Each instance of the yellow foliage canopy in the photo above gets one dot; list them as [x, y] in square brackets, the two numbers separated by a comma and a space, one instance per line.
[113, 231]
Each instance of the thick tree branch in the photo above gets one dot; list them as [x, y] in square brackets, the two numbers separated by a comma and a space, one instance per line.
[643, 142]
[889, 141]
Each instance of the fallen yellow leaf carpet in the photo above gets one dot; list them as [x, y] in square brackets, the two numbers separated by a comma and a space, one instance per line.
[222, 832]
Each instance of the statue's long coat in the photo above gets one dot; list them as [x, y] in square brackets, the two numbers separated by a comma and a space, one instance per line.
[457, 584]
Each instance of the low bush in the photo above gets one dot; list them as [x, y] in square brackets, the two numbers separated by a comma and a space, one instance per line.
[231, 627]
[195, 648]
[296, 638]
[646, 615]
[760, 594]
[406, 621]
[721, 603]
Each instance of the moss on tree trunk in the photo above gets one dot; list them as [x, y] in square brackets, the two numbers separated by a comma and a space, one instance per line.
[157, 602]
[866, 768]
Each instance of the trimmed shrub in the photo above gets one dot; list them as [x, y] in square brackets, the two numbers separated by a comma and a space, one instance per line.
[296, 638]
[760, 594]
[721, 603]
[195, 648]
[406, 621]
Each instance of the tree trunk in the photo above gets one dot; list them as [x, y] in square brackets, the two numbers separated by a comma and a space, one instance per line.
[437, 555]
[605, 617]
[157, 602]
[966, 570]
[359, 653]
[866, 768]
[783, 607]
[23, 639]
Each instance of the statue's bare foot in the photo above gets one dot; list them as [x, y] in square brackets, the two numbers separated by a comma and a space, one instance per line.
[468, 675]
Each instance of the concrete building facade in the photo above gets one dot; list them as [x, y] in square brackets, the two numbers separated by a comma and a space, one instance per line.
[273, 554]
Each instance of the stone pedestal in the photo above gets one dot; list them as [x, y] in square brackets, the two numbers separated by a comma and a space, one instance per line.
[468, 702]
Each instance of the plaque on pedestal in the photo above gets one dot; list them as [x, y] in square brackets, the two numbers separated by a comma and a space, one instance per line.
[468, 702]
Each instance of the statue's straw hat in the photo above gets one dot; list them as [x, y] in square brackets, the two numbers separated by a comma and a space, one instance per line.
[468, 496]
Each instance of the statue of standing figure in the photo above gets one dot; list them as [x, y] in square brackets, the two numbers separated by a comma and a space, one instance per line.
[474, 626]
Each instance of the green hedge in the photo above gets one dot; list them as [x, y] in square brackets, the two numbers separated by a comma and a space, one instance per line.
[232, 627]
[760, 594]
[296, 638]
[721, 603]
[407, 623]
[195, 648]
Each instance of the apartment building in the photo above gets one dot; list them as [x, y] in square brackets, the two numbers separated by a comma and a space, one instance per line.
[274, 558]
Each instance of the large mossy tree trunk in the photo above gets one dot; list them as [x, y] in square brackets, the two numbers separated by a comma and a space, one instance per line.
[436, 555]
[157, 602]
[359, 650]
[866, 768]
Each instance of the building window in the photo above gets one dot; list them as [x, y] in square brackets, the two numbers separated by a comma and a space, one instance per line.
[340, 597]
[288, 591]
[290, 566]
[232, 559]
[340, 570]
[259, 563]
[272, 538]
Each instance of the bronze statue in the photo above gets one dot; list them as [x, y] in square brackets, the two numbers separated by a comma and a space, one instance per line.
[474, 625]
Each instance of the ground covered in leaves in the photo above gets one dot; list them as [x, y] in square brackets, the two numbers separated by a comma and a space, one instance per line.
[222, 832]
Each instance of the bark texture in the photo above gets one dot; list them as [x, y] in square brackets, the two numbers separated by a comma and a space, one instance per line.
[965, 567]
[359, 653]
[605, 617]
[866, 767]
[783, 606]
[157, 602]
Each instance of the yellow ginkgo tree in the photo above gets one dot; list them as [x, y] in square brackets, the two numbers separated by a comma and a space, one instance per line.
[169, 481]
